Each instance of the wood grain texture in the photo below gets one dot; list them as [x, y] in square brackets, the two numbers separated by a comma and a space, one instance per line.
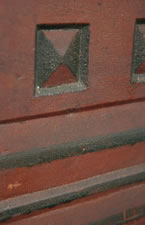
[110, 54]
[129, 205]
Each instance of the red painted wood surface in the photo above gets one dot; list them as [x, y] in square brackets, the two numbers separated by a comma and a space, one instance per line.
[110, 54]
[137, 222]
[97, 111]
[62, 129]
[90, 210]
[24, 180]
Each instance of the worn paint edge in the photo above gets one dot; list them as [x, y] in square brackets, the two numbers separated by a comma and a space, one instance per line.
[61, 194]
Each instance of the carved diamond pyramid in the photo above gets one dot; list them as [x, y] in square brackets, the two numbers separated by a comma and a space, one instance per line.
[60, 57]
[138, 66]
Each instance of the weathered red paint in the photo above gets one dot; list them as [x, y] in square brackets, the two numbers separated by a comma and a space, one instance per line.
[62, 129]
[100, 109]
[110, 53]
[137, 222]
[19, 181]
[87, 211]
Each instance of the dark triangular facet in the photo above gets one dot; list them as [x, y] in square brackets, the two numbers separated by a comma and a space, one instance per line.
[47, 59]
[62, 75]
[141, 68]
[139, 49]
[71, 58]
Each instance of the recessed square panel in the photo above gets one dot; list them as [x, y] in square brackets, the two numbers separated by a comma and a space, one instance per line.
[138, 66]
[61, 59]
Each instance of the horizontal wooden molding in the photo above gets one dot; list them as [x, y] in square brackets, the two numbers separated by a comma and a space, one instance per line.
[48, 154]
[61, 194]
[47, 139]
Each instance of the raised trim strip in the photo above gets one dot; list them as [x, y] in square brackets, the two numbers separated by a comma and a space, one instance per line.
[51, 197]
[47, 139]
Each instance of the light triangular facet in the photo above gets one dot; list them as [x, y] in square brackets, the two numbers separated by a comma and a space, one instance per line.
[61, 39]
